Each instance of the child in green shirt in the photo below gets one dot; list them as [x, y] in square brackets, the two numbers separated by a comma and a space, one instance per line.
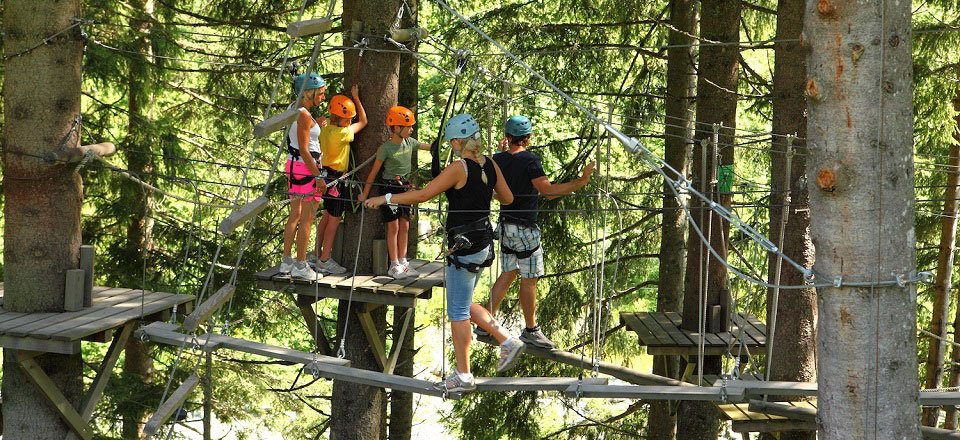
[395, 157]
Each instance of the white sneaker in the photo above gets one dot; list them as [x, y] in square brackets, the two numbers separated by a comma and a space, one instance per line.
[302, 271]
[312, 258]
[411, 272]
[397, 272]
[510, 353]
[331, 267]
[286, 264]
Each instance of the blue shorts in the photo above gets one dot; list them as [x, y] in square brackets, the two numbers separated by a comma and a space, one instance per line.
[460, 284]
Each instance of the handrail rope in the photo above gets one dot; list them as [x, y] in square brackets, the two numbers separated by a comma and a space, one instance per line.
[341, 352]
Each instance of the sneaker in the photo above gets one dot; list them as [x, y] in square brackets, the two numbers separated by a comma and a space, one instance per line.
[312, 258]
[537, 339]
[411, 272]
[302, 271]
[331, 267]
[510, 353]
[483, 336]
[397, 272]
[286, 264]
[455, 384]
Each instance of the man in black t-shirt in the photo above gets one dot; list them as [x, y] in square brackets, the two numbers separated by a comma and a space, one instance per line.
[520, 249]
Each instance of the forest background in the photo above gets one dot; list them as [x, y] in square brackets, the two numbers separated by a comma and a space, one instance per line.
[177, 86]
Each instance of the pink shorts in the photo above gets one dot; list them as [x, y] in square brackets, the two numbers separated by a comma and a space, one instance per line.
[300, 182]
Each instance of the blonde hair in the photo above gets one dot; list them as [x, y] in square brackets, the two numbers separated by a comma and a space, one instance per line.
[474, 144]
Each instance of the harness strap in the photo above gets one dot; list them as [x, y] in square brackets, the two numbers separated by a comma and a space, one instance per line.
[471, 267]
[521, 255]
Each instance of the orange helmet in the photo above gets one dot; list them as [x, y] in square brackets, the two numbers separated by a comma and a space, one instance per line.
[400, 116]
[343, 107]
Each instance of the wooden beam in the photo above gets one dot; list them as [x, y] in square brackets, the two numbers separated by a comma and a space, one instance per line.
[772, 425]
[275, 122]
[93, 395]
[373, 338]
[87, 256]
[203, 312]
[534, 383]
[407, 35]
[306, 28]
[939, 434]
[73, 290]
[375, 379]
[173, 402]
[74, 155]
[398, 343]
[784, 410]
[167, 334]
[66, 411]
[43, 345]
[774, 388]
[939, 398]
[243, 214]
[655, 392]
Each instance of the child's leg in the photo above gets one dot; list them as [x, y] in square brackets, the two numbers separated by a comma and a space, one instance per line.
[329, 234]
[290, 229]
[392, 240]
[307, 214]
[403, 234]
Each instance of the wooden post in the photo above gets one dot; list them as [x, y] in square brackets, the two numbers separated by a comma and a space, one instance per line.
[380, 263]
[73, 292]
[87, 257]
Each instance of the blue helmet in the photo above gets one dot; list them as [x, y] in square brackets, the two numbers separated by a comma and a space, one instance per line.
[313, 81]
[518, 126]
[460, 127]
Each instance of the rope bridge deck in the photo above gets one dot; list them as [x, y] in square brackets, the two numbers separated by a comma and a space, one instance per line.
[61, 332]
[366, 288]
[660, 332]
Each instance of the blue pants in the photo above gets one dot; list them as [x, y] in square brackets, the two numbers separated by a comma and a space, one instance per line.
[460, 284]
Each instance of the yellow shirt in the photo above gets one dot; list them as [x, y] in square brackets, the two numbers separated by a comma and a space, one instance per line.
[335, 145]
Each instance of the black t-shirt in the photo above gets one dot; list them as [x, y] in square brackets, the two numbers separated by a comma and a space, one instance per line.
[519, 170]
[469, 207]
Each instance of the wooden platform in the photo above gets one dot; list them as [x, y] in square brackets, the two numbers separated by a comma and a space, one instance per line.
[744, 420]
[662, 335]
[371, 289]
[62, 332]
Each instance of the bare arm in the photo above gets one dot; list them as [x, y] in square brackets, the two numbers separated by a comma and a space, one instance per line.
[361, 114]
[553, 190]
[450, 177]
[501, 190]
[424, 146]
[304, 124]
[377, 163]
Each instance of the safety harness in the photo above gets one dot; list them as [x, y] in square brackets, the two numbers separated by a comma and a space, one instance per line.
[459, 240]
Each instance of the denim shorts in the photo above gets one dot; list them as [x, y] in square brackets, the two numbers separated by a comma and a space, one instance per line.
[460, 284]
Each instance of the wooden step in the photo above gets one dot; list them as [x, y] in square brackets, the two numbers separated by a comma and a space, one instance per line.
[243, 214]
[655, 392]
[276, 122]
[173, 402]
[376, 379]
[206, 309]
[534, 383]
[310, 27]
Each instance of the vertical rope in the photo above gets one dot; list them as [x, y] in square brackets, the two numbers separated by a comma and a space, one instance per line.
[775, 295]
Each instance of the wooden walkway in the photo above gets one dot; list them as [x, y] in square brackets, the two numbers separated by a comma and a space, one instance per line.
[62, 332]
[662, 335]
[371, 289]
[744, 420]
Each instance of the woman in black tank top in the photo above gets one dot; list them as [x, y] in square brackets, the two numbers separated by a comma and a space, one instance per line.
[470, 184]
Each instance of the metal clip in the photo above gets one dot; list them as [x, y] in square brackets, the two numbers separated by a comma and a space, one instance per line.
[901, 280]
[341, 352]
[837, 281]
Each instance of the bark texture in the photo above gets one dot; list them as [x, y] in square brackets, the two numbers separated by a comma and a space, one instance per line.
[41, 94]
[860, 179]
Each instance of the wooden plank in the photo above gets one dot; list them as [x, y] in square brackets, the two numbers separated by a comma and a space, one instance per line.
[307, 293]
[276, 122]
[750, 327]
[7, 316]
[173, 402]
[272, 351]
[73, 290]
[87, 256]
[743, 426]
[534, 383]
[397, 286]
[938, 434]
[43, 345]
[60, 320]
[939, 398]
[644, 334]
[111, 317]
[663, 329]
[66, 411]
[654, 392]
[398, 342]
[710, 339]
[784, 410]
[427, 281]
[203, 312]
[775, 388]
[167, 334]
[243, 214]
[306, 28]
[375, 379]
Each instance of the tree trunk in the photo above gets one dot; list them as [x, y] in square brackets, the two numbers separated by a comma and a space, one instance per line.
[41, 94]
[716, 104]
[952, 182]
[357, 409]
[679, 129]
[861, 179]
[794, 341]
[140, 202]
[401, 403]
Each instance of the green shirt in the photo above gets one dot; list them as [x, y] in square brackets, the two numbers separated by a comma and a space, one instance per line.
[396, 158]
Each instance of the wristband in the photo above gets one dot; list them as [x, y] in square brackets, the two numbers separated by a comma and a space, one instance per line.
[387, 197]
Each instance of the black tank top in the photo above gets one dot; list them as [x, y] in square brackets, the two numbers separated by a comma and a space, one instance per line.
[469, 207]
